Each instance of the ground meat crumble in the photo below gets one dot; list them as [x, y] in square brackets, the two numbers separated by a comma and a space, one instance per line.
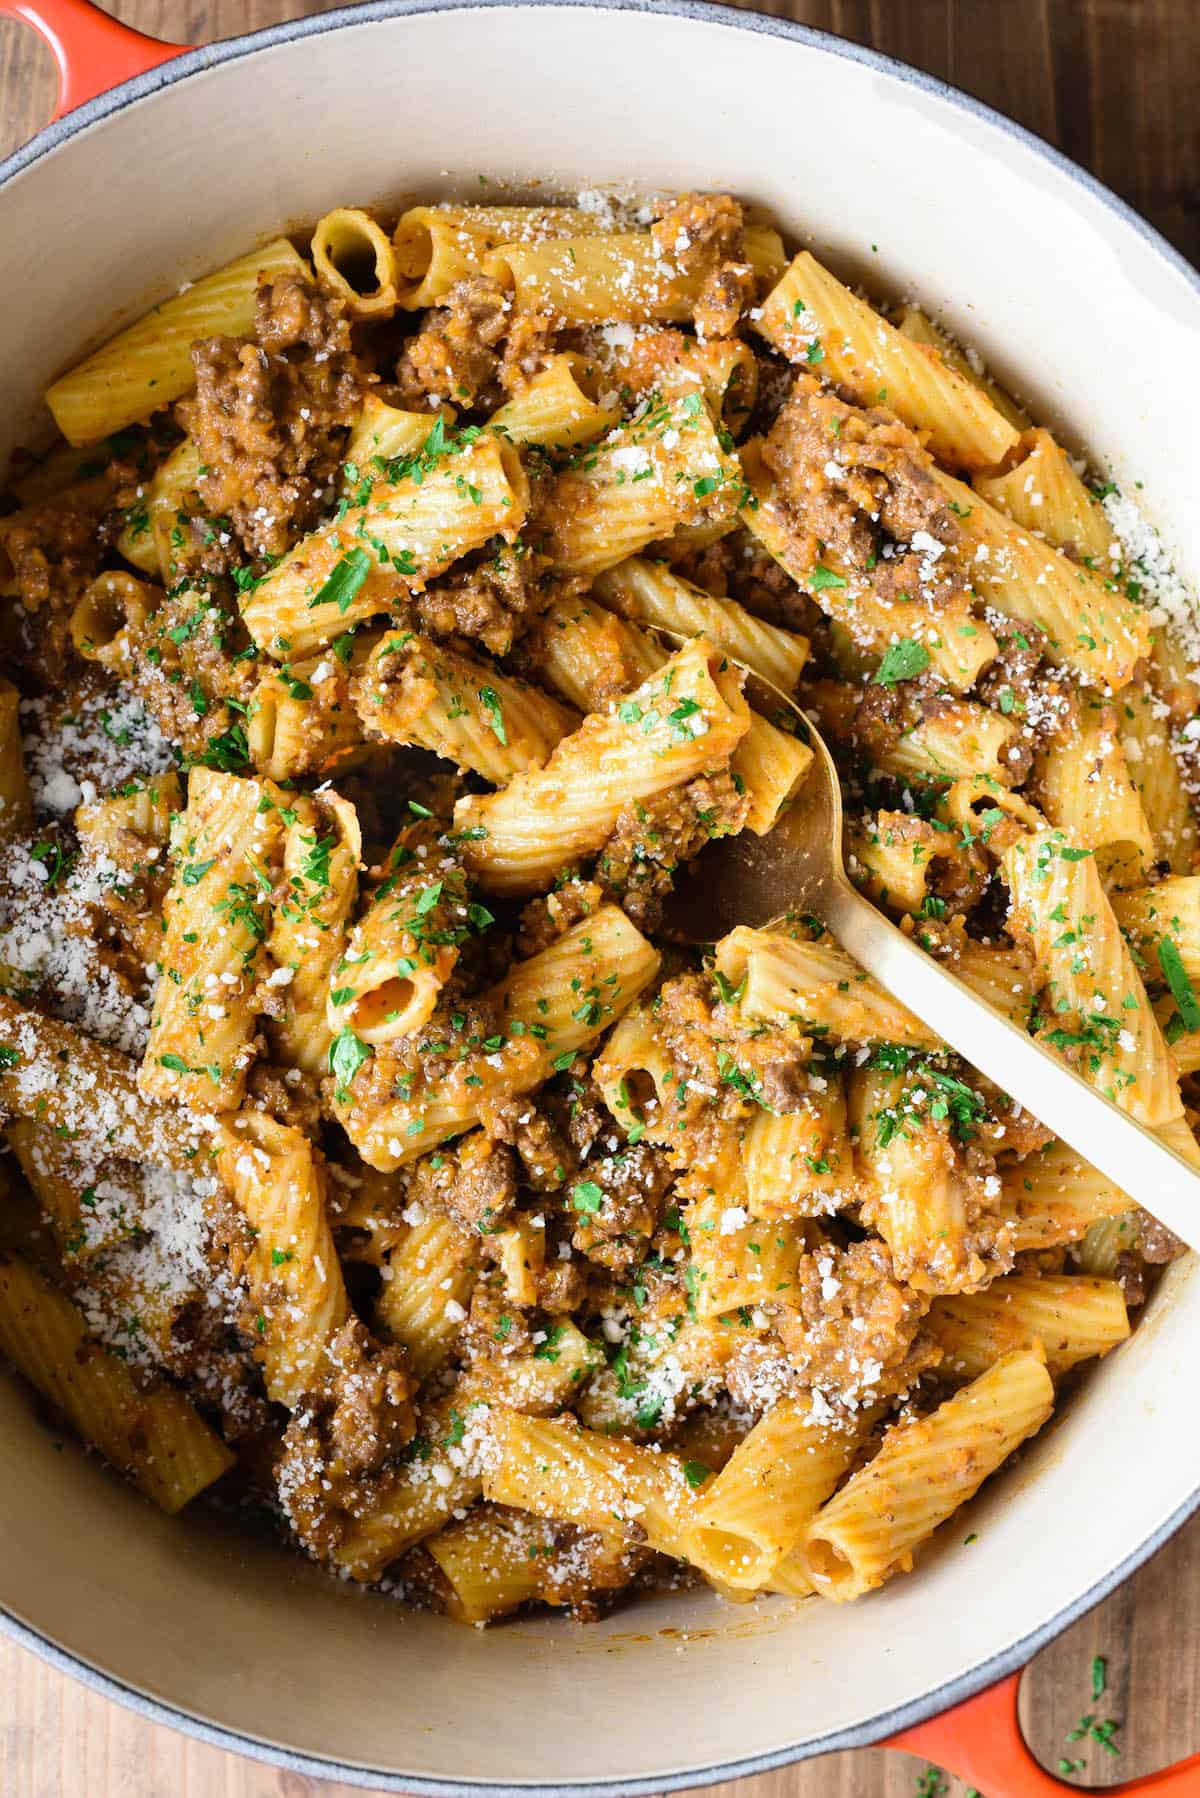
[271, 414]
[348, 1430]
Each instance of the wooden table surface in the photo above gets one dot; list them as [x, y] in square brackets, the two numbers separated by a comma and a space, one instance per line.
[1113, 82]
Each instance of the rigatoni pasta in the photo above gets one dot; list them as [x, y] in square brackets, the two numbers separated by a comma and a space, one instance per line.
[559, 408]
[1073, 1316]
[436, 246]
[355, 257]
[410, 527]
[674, 727]
[157, 1437]
[277, 1181]
[811, 317]
[752, 1516]
[1096, 1011]
[623, 276]
[411, 690]
[309, 923]
[649, 593]
[550, 1005]
[789, 978]
[923, 1472]
[665, 469]
[150, 363]
[371, 1139]
[227, 853]
[594, 658]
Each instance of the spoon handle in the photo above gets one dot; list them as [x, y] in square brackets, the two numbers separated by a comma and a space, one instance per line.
[1133, 1157]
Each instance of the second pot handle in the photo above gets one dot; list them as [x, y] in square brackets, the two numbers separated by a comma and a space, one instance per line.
[981, 1741]
[92, 50]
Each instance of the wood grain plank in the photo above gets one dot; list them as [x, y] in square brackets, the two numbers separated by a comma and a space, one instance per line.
[1003, 55]
[1113, 82]
[1146, 1632]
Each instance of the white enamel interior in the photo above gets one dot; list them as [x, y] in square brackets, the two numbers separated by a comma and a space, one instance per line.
[1076, 310]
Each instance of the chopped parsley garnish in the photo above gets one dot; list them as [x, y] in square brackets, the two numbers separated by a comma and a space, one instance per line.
[902, 661]
[685, 721]
[56, 864]
[229, 752]
[423, 461]
[748, 1085]
[548, 1351]
[314, 864]
[942, 1096]
[822, 578]
[347, 1053]
[490, 701]
[343, 584]
[1176, 977]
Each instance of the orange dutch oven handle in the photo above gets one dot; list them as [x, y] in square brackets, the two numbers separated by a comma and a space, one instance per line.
[92, 50]
[980, 1740]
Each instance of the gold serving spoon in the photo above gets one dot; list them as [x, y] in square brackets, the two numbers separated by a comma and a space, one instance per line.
[798, 867]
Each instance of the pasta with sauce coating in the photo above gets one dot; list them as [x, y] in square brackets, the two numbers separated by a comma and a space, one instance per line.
[368, 1126]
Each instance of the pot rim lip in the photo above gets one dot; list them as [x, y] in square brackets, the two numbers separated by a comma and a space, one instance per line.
[871, 1732]
[705, 12]
[993, 1667]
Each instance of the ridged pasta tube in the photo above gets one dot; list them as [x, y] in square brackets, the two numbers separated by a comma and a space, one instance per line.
[153, 1434]
[149, 364]
[811, 317]
[408, 531]
[675, 726]
[551, 1004]
[229, 844]
[276, 1177]
[923, 1472]
[413, 690]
